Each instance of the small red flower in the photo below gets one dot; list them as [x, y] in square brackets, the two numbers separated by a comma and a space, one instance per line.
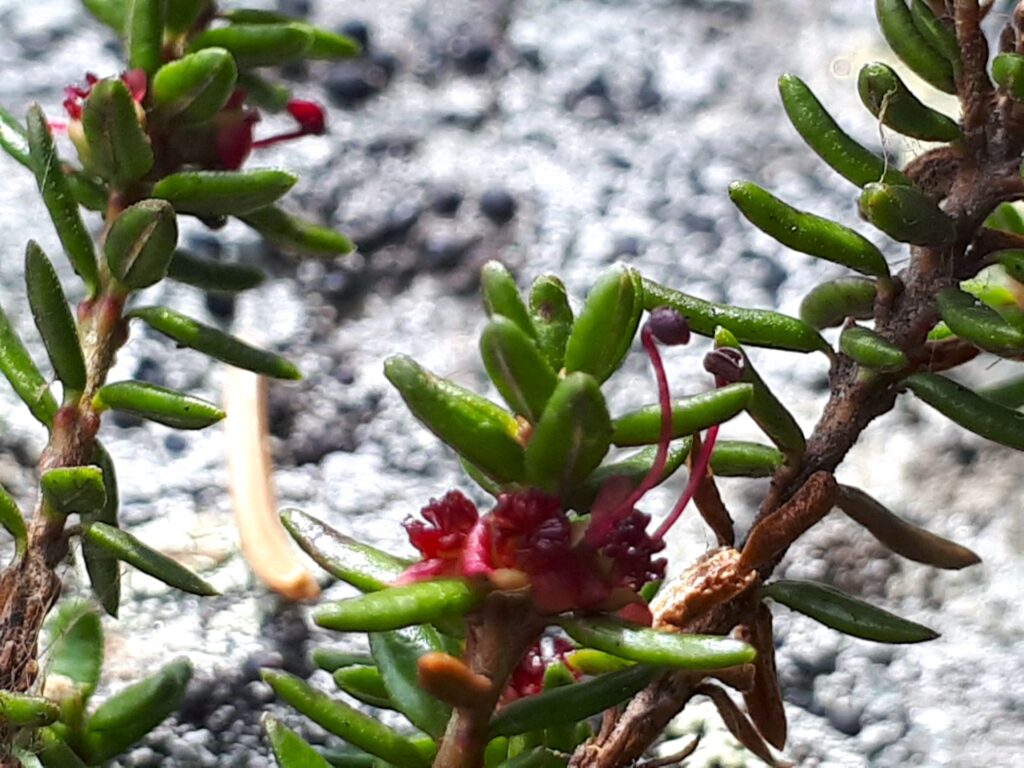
[75, 95]
[442, 539]
[527, 678]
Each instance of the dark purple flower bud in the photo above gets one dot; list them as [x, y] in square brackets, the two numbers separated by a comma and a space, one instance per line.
[726, 364]
[668, 326]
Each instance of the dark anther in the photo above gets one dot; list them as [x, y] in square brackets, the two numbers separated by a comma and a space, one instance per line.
[668, 326]
[726, 364]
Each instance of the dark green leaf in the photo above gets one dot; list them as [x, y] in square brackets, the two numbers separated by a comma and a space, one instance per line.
[75, 640]
[118, 148]
[516, 367]
[364, 567]
[222, 193]
[969, 409]
[605, 327]
[130, 714]
[23, 711]
[144, 33]
[181, 15]
[397, 655]
[23, 375]
[906, 214]
[268, 96]
[689, 415]
[552, 318]
[846, 614]
[571, 437]
[867, 348]
[159, 404]
[13, 522]
[103, 568]
[829, 304]
[14, 139]
[210, 275]
[346, 722]
[140, 243]
[332, 659]
[290, 750]
[53, 319]
[501, 296]
[74, 489]
[364, 684]
[129, 549]
[739, 458]
[979, 324]
[290, 233]
[113, 13]
[397, 607]
[195, 87]
[485, 434]
[807, 232]
[758, 327]
[217, 344]
[258, 45]
[60, 202]
[571, 703]
[651, 646]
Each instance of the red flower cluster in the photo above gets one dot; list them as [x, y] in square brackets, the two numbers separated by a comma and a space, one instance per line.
[231, 141]
[594, 564]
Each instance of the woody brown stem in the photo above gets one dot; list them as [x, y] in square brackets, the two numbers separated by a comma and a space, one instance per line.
[30, 586]
[496, 640]
[968, 182]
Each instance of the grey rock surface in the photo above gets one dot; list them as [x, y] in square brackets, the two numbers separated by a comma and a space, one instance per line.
[554, 136]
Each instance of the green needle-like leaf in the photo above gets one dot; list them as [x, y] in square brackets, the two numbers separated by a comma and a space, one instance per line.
[130, 714]
[397, 607]
[119, 149]
[52, 317]
[502, 297]
[144, 30]
[290, 749]
[846, 614]
[14, 139]
[364, 567]
[217, 344]
[517, 368]
[651, 646]
[195, 87]
[571, 703]
[606, 325]
[159, 404]
[141, 242]
[75, 640]
[482, 432]
[74, 489]
[129, 549]
[60, 202]
[258, 45]
[20, 370]
[969, 409]
[758, 327]
[103, 568]
[13, 522]
[210, 275]
[23, 711]
[571, 438]
[348, 723]
[689, 415]
[290, 233]
[364, 683]
[223, 193]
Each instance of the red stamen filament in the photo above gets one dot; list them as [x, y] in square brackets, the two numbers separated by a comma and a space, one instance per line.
[661, 457]
[700, 469]
[272, 140]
